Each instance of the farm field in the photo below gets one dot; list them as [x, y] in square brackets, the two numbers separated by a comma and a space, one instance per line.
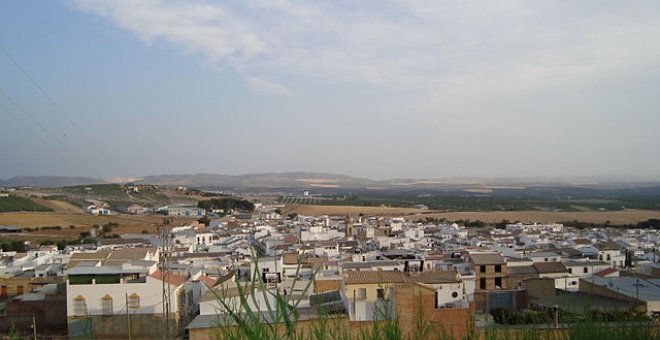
[82, 222]
[57, 205]
[315, 210]
[17, 203]
[626, 216]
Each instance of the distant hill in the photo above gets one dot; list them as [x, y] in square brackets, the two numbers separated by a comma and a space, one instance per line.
[267, 180]
[48, 181]
[315, 180]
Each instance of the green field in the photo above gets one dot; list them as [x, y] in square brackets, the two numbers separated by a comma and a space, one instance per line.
[14, 203]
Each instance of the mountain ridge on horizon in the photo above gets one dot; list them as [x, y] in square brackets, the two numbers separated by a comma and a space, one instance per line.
[310, 179]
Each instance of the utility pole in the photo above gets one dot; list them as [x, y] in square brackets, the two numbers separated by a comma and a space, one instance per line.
[34, 327]
[637, 289]
[128, 318]
[165, 246]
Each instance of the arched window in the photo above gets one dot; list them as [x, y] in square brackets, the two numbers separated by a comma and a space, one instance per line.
[133, 301]
[106, 303]
[79, 306]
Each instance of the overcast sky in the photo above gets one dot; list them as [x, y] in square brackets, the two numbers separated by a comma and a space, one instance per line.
[377, 89]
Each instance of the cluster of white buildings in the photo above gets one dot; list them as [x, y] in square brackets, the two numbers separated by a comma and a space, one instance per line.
[359, 265]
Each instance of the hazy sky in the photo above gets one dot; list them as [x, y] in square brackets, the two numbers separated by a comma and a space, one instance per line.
[377, 89]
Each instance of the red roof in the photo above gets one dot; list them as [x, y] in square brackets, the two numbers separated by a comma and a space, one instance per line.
[290, 239]
[173, 279]
[605, 272]
[209, 282]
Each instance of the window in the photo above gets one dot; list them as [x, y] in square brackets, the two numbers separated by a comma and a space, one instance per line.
[609, 258]
[570, 270]
[585, 270]
[361, 293]
[380, 293]
[498, 268]
[498, 282]
[133, 301]
[482, 283]
[79, 306]
[454, 294]
[545, 259]
[271, 280]
[482, 269]
[106, 304]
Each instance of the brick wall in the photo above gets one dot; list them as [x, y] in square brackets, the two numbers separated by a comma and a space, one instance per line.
[490, 275]
[49, 314]
[415, 303]
[540, 288]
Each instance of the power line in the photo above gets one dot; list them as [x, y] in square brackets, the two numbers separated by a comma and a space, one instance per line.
[27, 128]
[59, 109]
[48, 132]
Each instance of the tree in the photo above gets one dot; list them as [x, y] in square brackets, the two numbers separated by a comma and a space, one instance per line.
[204, 220]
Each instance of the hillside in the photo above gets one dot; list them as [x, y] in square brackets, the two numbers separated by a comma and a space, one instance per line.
[268, 180]
[48, 181]
[118, 196]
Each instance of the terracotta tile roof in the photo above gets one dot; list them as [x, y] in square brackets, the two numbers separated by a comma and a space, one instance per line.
[209, 282]
[99, 255]
[290, 258]
[522, 270]
[605, 272]
[437, 257]
[291, 239]
[434, 277]
[550, 267]
[370, 277]
[486, 258]
[173, 279]
[581, 241]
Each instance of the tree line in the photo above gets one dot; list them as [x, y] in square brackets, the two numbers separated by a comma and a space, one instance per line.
[226, 203]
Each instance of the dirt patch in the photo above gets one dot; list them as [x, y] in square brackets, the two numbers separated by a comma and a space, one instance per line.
[58, 206]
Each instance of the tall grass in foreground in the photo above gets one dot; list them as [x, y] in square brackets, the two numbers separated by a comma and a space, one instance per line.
[586, 329]
[281, 320]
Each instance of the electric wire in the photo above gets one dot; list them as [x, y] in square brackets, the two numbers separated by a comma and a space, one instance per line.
[28, 129]
[48, 133]
[59, 109]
